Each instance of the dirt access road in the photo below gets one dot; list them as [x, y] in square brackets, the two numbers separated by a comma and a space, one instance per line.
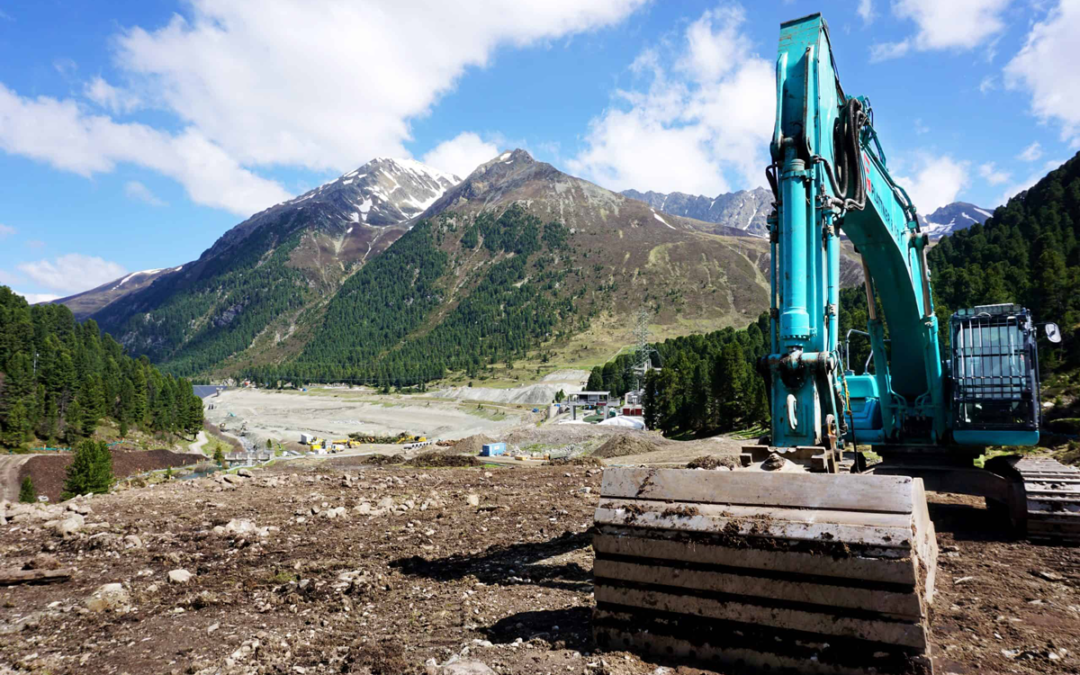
[411, 572]
[9, 475]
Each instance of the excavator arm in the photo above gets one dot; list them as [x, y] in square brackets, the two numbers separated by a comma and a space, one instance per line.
[830, 177]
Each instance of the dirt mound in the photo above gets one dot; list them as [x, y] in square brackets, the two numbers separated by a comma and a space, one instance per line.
[382, 460]
[711, 462]
[441, 459]
[49, 472]
[472, 445]
[580, 460]
[624, 445]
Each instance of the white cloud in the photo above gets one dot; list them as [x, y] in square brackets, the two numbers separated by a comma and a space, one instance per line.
[66, 67]
[6, 231]
[889, 50]
[65, 136]
[111, 98]
[461, 154]
[937, 182]
[993, 175]
[331, 83]
[686, 132]
[35, 298]
[987, 84]
[73, 272]
[1031, 153]
[35, 243]
[139, 192]
[951, 24]
[9, 279]
[318, 84]
[1046, 68]
[866, 10]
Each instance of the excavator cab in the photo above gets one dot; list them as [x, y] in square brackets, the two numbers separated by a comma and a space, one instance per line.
[994, 376]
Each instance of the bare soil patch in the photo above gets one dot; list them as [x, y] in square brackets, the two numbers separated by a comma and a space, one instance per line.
[49, 471]
[472, 445]
[442, 459]
[624, 445]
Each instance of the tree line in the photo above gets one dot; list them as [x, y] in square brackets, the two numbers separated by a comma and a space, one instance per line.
[700, 384]
[59, 379]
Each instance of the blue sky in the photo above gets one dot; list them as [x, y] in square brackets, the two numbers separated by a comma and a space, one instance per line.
[133, 134]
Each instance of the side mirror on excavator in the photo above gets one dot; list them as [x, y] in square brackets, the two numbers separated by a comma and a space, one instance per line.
[1053, 333]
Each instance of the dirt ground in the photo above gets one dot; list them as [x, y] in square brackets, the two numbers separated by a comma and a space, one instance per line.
[346, 568]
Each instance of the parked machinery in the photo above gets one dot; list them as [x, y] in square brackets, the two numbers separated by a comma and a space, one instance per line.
[803, 561]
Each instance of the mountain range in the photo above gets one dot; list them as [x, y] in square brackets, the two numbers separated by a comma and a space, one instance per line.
[348, 279]
[747, 210]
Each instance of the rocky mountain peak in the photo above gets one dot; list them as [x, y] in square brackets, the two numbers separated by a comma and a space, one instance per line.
[952, 218]
[385, 191]
[744, 210]
[497, 178]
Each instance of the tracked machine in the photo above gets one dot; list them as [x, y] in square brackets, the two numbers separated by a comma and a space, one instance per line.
[805, 561]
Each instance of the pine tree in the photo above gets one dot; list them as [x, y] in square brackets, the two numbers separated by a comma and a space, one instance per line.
[73, 423]
[90, 470]
[27, 492]
[733, 375]
[596, 380]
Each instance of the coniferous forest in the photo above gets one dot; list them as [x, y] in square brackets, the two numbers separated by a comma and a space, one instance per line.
[1027, 253]
[398, 321]
[59, 379]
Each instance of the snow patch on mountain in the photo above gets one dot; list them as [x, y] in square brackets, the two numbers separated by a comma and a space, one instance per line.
[952, 218]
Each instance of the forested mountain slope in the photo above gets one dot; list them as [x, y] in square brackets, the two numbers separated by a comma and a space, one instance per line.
[512, 262]
[59, 378]
[1028, 252]
[480, 279]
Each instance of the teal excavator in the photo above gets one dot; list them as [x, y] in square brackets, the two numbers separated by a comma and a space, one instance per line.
[802, 559]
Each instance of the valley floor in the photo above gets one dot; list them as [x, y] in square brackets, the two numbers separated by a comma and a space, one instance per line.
[335, 413]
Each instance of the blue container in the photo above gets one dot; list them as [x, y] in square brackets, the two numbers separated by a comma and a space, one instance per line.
[493, 449]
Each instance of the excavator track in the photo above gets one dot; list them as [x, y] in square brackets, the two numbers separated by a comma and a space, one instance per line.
[1052, 492]
[784, 572]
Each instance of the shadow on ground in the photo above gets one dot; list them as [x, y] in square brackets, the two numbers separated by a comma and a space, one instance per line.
[569, 626]
[515, 564]
[970, 521]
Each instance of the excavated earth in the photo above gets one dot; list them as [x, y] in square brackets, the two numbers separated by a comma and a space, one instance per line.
[361, 569]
